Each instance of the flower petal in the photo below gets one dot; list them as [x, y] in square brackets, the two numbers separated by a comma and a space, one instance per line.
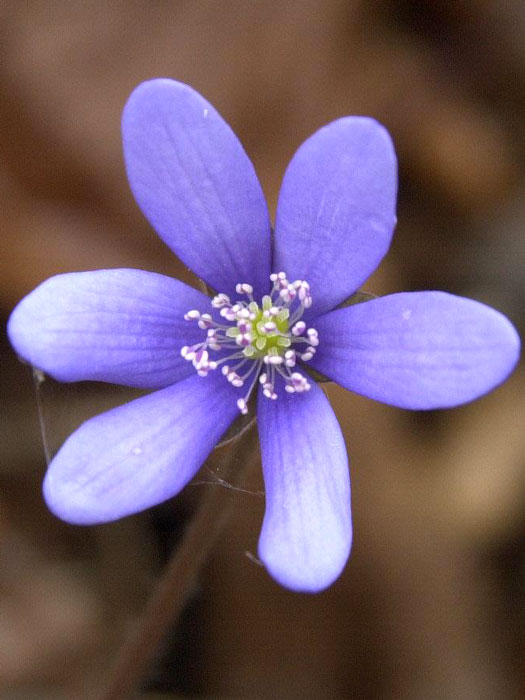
[418, 350]
[140, 454]
[336, 209]
[307, 531]
[119, 326]
[196, 185]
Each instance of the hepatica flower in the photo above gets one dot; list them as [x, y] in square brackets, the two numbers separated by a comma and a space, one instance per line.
[273, 315]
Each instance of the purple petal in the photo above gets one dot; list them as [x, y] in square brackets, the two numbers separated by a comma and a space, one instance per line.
[119, 326]
[307, 531]
[336, 210]
[196, 185]
[140, 454]
[417, 350]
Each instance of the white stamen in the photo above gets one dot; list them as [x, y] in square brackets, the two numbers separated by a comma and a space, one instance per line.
[303, 289]
[205, 321]
[299, 382]
[192, 315]
[288, 294]
[269, 335]
[220, 300]
[298, 328]
[313, 337]
[290, 358]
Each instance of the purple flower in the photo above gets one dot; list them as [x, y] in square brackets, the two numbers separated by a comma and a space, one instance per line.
[335, 218]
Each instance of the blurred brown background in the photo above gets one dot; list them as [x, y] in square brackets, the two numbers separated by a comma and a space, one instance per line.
[431, 605]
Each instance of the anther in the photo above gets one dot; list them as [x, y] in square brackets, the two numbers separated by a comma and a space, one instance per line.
[192, 315]
[220, 300]
[313, 337]
[244, 288]
[205, 321]
[268, 336]
[242, 406]
[289, 358]
[298, 328]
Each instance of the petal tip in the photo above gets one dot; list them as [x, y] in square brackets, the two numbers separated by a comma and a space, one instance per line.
[157, 85]
[310, 578]
[514, 340]
[511, 342]
[365, 129]
[61, 501]
[19, 327]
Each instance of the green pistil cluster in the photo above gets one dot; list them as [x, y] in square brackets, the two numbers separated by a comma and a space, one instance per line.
[268, 332]
[265, 340]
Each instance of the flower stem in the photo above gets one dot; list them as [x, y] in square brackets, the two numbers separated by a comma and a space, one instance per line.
[169, 596]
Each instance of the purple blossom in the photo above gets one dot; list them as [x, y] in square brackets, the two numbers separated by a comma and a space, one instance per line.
[334, 222]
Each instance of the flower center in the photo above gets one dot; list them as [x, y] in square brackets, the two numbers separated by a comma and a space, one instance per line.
[269, 336]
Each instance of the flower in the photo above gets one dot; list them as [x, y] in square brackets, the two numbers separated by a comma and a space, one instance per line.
[275, 311]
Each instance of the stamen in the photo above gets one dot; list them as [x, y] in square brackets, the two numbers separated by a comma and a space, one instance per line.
[192, 315]
[268, 335]
[220, 300]
[298, 328]
[244, 289]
